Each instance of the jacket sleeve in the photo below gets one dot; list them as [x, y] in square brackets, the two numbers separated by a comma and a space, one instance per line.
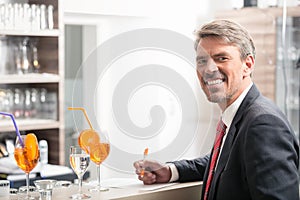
[271, 157]
[191, 170]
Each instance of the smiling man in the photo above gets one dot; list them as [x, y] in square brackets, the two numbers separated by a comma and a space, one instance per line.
[223, 70]
[255, 154]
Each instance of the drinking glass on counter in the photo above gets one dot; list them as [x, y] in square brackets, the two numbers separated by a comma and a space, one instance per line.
[94, 143]
[27, 155]
[98, 154]
[79, 161]
[45, 188]
[97, 145]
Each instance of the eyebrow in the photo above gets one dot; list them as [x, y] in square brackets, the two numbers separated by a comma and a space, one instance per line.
[213, 56]
[220, 54]
[201, 57]
[205, 56]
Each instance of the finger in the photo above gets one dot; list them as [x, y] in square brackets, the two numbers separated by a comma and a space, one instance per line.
[138, 171]
[145, 175]
[141, 168]
[138, 164]
[149, 178]
[152, 165]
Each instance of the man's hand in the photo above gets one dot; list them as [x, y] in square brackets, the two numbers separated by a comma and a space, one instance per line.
[154, 172]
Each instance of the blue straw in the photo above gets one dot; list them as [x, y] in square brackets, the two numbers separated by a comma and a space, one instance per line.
[16, 127]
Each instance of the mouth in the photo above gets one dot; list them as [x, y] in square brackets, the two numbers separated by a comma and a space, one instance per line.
[214, 81]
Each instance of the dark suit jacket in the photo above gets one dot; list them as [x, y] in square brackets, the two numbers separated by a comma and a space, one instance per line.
[259, 159]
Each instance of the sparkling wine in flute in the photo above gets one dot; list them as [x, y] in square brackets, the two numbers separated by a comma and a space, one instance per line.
[79, 163]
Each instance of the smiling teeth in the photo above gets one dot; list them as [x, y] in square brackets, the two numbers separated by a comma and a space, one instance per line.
[218, 81]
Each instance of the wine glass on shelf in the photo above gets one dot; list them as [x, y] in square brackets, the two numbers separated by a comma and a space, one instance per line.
[98, 153]
[27, 155]
[79, 161]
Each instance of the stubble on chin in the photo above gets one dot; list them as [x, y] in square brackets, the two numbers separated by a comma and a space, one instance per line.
[215, 96]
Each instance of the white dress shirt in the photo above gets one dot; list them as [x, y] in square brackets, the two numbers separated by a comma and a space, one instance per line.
[227, 117]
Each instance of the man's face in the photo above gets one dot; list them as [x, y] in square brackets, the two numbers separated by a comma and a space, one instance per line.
[222, 74]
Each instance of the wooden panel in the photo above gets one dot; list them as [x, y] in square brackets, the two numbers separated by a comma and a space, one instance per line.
[52, 137]
[261, 24]
[48, 54]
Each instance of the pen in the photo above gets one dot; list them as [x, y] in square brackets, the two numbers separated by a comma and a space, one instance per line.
[145, 156]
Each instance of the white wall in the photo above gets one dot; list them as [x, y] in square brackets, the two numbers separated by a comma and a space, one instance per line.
[113, 17]
[138, 7]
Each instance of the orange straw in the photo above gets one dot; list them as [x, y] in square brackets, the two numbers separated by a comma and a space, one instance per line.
[84, 112]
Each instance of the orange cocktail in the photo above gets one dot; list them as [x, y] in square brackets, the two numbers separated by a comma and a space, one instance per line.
[96, 144]
[98, 149]
[99, 152]
[27, 157]
[89, 141]
[26, 151]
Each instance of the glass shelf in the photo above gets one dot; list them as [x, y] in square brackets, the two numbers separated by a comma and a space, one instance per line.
[29, 124]
[29, 78]
[40, 33]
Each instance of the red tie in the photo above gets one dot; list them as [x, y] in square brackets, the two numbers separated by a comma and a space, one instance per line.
[214, 157]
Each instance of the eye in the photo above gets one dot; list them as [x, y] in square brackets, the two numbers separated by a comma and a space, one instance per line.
[221, 59]
[202, 61]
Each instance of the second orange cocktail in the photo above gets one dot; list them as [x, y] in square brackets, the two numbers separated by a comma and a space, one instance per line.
[98, 147]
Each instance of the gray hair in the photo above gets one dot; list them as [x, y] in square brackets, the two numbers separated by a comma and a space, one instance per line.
[230, 32]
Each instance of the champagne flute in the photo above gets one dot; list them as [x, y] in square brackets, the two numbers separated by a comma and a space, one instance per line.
[27, 155]
[79, 161]
[98, 153]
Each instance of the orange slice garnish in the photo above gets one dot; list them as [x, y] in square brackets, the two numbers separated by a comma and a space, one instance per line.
[31, 146]
[88, 139]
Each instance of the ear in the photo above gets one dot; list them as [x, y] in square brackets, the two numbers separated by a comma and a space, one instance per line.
[248, 66]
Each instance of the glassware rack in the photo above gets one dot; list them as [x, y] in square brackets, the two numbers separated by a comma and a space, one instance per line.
[32, 71]
[287, 68]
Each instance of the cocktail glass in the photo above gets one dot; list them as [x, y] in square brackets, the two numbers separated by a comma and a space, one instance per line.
[27, 155]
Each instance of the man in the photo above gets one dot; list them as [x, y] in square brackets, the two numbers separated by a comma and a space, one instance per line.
[259, 153]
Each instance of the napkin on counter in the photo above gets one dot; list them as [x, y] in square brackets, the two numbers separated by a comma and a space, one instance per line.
[8, 165]
[10, 171]
[49, 170]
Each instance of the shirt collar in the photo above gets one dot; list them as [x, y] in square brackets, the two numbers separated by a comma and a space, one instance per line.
[230, 111]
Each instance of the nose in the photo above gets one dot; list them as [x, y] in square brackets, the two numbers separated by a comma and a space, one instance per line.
[211, 66]
[208, 67]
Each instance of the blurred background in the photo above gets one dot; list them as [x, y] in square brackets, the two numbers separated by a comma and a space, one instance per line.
[52, 60]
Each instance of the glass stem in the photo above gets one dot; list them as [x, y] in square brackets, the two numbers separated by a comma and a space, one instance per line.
[98, 175]
[27, 183]
[80, 185]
